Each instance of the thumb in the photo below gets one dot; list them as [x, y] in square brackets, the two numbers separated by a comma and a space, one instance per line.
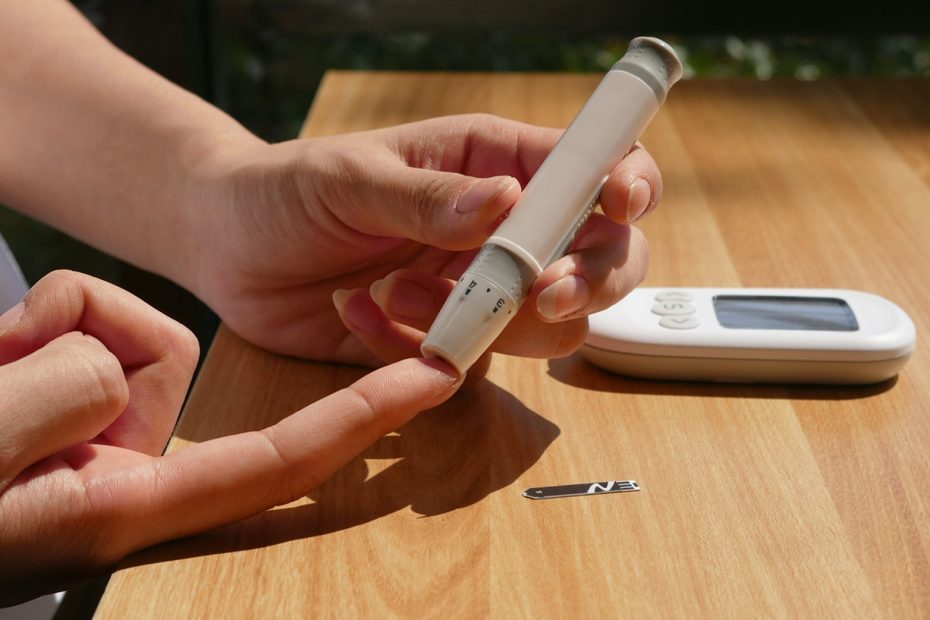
[441, 209]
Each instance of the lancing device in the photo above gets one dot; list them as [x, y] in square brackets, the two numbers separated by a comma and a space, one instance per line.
[554, 205]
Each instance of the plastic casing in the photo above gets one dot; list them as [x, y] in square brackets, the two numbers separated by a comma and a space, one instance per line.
[627, 338]
[554, 205]
[571, 177]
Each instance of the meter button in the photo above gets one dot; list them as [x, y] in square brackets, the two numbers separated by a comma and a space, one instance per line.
[680, 322]
[673, 296]
[672, 308]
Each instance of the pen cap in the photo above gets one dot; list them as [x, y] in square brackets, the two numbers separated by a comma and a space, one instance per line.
[654, 62]
[478, 309]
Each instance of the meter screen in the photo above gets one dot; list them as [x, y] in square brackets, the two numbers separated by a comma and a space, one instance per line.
[790, 313]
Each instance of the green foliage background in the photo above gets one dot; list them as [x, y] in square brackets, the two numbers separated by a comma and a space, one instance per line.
[266, 78]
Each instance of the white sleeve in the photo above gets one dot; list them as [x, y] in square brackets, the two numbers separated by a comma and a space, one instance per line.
[12, 288]
[12, 283]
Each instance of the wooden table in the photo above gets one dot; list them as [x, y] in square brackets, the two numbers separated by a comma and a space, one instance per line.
[756, 500]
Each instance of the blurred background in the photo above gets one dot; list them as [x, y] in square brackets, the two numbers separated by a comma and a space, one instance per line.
[262, 60]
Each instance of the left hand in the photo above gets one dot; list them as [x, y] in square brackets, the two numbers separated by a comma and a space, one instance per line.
[388, 220]
[91, 380]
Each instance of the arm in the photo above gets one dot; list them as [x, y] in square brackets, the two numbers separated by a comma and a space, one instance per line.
[96, 144]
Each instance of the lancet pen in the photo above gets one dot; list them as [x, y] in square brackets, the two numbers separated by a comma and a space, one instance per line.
[554, 205]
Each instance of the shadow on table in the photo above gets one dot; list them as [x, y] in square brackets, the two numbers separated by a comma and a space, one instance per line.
[447, 458]
[578, 372]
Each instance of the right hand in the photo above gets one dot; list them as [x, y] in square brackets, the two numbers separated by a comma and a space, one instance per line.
[388, 220]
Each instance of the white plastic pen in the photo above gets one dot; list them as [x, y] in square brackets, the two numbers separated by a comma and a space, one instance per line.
[554, 205]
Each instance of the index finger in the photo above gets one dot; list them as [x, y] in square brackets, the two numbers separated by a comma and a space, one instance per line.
[231, 478]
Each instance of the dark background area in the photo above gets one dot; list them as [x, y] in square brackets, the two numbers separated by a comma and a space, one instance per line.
[262, 60]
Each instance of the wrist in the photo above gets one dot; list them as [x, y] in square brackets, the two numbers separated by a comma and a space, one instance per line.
[208, 163]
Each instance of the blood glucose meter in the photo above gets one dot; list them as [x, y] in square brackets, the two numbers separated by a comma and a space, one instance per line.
[762, 335]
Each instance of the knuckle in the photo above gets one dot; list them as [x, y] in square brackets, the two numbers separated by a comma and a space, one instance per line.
[429, 198]
[370, 411]
[61, 289]
[483, 123]
[485, 119]
[361, 406]
[61, 278]
[342, 171]
[182, 344]
[343, 185]
[102, 383]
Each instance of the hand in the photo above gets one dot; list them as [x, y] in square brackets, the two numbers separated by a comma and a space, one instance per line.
[383, 222]
[91, 380]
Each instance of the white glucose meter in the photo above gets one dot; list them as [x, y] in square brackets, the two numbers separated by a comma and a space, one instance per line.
[752, 335]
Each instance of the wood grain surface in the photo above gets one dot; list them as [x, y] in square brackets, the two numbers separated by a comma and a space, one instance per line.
[756, 500]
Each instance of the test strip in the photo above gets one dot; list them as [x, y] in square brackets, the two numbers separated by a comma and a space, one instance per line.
[584, 488]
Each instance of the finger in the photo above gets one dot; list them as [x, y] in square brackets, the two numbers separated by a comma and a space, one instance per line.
[447, 210]
[414, 299]
[479, 145]
[230, 478]
[67, 392]
[444, 182]
[391, 337]
[634, 187]
[157, 354]
[608, 261]
[389, 340]
[411, 297]
[484, 145]
[440, 209]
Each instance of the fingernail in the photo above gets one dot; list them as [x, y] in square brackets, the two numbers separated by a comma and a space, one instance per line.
[638, 199]
[11, 317]
[402, 297]
[484, 192]
[563, 297]
[358, 311]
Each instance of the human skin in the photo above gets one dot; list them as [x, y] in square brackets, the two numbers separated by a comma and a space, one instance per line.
[91, 380]
[340, 249]
[106, 150]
